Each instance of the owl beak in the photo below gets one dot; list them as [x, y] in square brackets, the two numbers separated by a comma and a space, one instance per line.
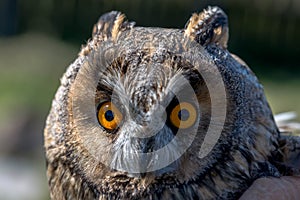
[148, 148]
[139, 155]
[145, 147]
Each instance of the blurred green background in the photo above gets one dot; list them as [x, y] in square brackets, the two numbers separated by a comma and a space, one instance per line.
[40, 38]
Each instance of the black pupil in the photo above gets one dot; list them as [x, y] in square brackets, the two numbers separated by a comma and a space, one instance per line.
[109, 115]
[183, 114]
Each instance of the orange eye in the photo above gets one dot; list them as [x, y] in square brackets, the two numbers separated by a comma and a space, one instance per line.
[109, 116]
[183, 115]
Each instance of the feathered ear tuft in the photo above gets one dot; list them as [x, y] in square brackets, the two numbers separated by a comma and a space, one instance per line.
[208, 27]
[111, 24]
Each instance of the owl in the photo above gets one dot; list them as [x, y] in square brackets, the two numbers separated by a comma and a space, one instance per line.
[156, 113]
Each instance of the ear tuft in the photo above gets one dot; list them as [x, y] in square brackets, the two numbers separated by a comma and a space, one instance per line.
[208, 27]
[111, 24]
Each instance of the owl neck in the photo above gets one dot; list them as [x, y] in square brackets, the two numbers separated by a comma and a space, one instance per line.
[228, 178]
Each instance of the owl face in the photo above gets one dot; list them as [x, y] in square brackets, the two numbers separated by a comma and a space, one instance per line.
[158, 113]
[143, 104]
[143, 111]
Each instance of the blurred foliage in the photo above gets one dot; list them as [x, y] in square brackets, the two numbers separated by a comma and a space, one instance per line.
[283, 95]
[40, 38]
[265, 33]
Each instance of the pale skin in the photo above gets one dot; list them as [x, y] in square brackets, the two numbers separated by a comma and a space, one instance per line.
[285, 187]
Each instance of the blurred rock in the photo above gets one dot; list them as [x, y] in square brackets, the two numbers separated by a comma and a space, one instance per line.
[21, 134]
[22, 164]
[287, 124]
[20, 179]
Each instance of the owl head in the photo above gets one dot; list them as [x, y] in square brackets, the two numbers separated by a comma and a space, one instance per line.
[146, 110]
